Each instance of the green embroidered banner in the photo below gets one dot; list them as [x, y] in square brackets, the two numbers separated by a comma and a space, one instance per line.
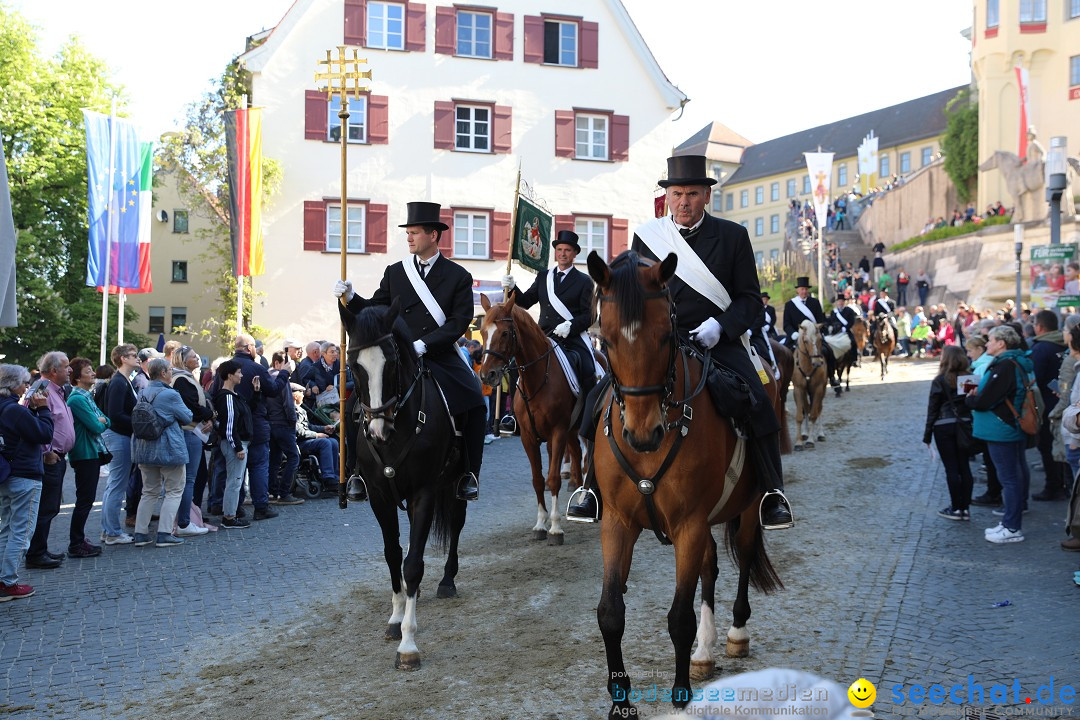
[532, 236]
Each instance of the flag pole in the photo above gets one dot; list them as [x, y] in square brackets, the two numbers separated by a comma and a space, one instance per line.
[109, 220]
[506, 291]
[239, 276]
[121, 296]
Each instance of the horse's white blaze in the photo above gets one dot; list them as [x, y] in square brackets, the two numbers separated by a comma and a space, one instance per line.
[490, 334]
[541, 518]
[706, 635]
[373, 361]
[630, 331]
[408, 628]
[398, 601]
[556, 526]
[738, 634]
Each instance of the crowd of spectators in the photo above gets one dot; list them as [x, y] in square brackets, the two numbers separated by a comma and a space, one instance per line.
[968, 216]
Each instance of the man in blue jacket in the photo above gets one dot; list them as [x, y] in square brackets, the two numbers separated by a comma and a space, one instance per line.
[1046, 352]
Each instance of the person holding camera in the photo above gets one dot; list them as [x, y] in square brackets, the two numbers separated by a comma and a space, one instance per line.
[23, 430]
[86, 455]
[184, 363]
[946, 409]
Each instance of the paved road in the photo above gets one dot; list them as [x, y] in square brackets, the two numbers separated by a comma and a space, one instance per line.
[877, 585]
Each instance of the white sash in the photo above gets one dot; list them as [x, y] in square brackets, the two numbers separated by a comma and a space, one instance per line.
[565, 313]
[840, 317]
[800, 305]
[422, 290]
[661, 236]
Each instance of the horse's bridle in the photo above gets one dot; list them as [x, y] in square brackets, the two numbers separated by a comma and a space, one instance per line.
[665, 390]
[388, 410]
[509, 361]
[817, 359]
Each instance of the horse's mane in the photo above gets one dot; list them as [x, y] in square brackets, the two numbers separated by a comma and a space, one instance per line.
[370, 324]
[625, 287]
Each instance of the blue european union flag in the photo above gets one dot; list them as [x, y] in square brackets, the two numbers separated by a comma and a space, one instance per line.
[112, 219]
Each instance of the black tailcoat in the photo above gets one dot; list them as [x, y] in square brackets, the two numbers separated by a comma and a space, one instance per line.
[793, 316]
[451, 285]
[575, 292]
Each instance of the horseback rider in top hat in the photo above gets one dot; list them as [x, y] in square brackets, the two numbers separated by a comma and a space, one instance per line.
[841, 320]
[883, 307]
[565, 297]
[725, 250]
[804, 307]
[769, 325]
[435, 295]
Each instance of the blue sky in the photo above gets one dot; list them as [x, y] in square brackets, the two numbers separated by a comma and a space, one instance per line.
[764, 69]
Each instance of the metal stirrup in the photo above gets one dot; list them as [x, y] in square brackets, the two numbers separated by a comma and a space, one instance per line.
[784, 501]
[586, 492]
[363, 483]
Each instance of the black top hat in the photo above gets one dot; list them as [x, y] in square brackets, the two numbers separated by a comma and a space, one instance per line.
[766, 295]
[839, 298]
[426, 214]
[802, 281]
[686, 170]
[567, 237]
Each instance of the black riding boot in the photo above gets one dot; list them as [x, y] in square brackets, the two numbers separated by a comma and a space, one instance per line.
[775, 511]
[587, 508]
[468, 485]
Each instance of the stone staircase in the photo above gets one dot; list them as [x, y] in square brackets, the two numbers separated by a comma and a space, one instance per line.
[850, 245]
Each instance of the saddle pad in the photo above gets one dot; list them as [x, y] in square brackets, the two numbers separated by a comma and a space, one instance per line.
[568, 370]
[840, 343]
[731, 477]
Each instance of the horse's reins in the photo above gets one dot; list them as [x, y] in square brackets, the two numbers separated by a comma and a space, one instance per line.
[510, 363]
[816, 360]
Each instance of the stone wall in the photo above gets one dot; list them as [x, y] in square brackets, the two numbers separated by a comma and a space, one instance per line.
[902, 212]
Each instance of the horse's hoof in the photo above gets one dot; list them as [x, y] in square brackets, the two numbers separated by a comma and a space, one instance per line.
[556, 539]
[702, 669]
[805, 437]
[847, 389]
[737, 648]
[565, 474]
[821, 438]
[539, 535]
[809, 445]
[798, 448]
[446, 591]
[407, 661]
[393, 631]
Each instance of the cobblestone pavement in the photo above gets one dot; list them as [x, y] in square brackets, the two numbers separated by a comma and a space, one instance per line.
[877, 586]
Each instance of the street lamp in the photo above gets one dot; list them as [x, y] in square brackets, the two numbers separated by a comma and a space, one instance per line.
[1055, 183]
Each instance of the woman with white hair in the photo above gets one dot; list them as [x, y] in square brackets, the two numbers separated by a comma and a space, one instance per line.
[24, 430]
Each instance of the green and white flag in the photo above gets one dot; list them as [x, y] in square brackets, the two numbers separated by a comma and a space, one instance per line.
[532, 236]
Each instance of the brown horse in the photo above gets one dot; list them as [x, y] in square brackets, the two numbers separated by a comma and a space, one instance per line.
[810, 380]
[785, 363]
[844, 364]
[542, 405]
[884, 343]
[667, 461]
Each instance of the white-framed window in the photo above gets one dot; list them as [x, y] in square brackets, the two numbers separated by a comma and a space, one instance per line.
[591, 137]
[805, 184]
[357, 120]
[472, 128]
[561, 43]
[927, 154]
[774, 254]
[992, 14]
[1074, 9]
[385, 25]
[744, 198]
[1074, 70]
[178, 318]
[841, 176]
[592, 235]
[354, 231]
[474, 34]
[155, 316]
[1032, 11]
[759, 227]
[729, 201]
[717, 201]
[774, 191]
[472, 234]
[759, 194]
[718, 173]
[791, 188]
[759, 257]
[905, 162]
[745, 224]
[774, 224]
[884, 161]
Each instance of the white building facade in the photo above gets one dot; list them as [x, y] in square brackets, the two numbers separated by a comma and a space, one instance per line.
[461, 96]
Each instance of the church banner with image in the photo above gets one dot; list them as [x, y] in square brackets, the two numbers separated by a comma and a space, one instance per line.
[532, 236]
[819, 168]
[1055, 276]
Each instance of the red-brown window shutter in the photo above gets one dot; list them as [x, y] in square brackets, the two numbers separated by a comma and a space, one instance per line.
[564, 133]
[504, 36]
[534, 39]
[375, 231]
[314, 115]
[355, 17]
[446, 241]
[620, 237]
[590, 45]
[445, 30]
[563, 222]
[620, 138]
[444, 125]
[378, 119]
[415, 27]
[500, 236]
[501, 129]
[314, 225]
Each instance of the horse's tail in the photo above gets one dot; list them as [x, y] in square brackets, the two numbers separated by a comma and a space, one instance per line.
[763, 575]
[442, 523]
[785, 432]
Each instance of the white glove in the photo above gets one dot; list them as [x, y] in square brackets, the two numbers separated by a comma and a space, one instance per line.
[795, 335]
[707, 333]
[508, 282]
[344, 288]
[562, 329]
[419, 346]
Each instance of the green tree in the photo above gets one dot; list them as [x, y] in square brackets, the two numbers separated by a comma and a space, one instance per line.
[197, 154]
[41, 127]
[961, 144]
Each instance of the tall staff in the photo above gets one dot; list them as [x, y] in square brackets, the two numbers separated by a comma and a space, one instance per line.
[506, 290]
[342, 77]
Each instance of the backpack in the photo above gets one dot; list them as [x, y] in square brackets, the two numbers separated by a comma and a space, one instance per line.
[1029, 419]
[146, 423]
[5, 464]
[101, 390]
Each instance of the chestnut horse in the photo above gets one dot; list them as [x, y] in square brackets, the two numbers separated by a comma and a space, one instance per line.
[785, 363]
[542, 405]
[811, 381]
[884, 343]
[664, 461]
